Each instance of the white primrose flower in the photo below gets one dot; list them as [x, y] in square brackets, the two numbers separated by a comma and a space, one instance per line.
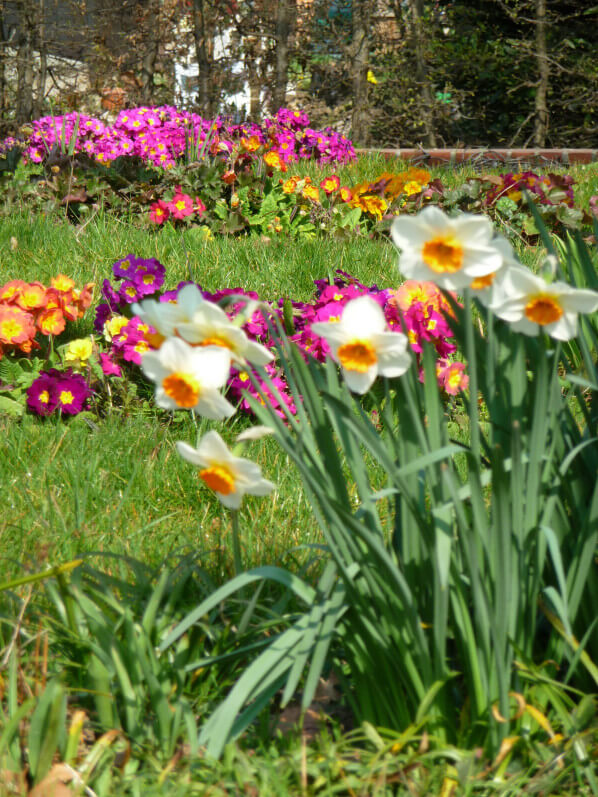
[165, 317]
[188, 378]
[230, 477]
[210, 326]
[450, 252]
[530, 304]
[362, 345]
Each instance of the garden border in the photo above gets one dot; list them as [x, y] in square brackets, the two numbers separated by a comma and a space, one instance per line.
[488, 157]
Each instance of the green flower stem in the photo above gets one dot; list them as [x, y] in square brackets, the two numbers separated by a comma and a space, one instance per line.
[236, 543]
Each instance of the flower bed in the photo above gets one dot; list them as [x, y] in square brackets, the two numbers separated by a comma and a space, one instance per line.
[168, 167]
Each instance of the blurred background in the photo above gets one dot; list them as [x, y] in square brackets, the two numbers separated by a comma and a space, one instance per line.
[388, 73]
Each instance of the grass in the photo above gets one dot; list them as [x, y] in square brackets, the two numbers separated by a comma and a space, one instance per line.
[44, 246]
[116, 485]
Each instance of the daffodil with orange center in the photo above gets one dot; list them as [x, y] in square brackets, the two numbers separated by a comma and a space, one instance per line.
[210, 326]
[230, 477]
[449, 251]
[189, 378]
[531, 305]
[363, 346]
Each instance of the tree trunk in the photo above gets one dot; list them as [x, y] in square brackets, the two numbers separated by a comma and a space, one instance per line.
[152, 47]
[202, 55]
[3, 57]
[541, 107]
[38, 100]
[252, 56]
[284, 16]
[24, 103]
[360, 47]
[421, 72]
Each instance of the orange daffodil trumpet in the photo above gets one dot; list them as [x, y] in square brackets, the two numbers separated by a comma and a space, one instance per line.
[230, 477]
[188, 378]
[363, 346]
[448, 251]
[532, 305]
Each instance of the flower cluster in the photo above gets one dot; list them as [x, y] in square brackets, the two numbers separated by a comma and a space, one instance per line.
[161, 135]
[549, 189]
[463, 253]
[136, 278]
[376, 197]
[29, 308]
[58, 391]
[195, 316]
[416, 312]
[180, 207]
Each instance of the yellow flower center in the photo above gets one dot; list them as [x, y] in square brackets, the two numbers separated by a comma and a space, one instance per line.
[357, 355]
[215, 341]
[182, 388]
[181, 204]
[66, 397]
[219, 479]
[44, 397]
[543, 309]
[148, 279]
[443, 254]
[454, 379]
[10, 329]
[32, 298]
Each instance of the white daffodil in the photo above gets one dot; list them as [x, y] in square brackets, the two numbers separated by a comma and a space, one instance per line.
[230, 477]
[530, 304]
[489, 288]
[188, 378]
[165, 317]
[448, 251]
[362, 345]
[210, 326]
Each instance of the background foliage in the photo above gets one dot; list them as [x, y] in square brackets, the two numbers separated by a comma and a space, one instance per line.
[390, 73]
